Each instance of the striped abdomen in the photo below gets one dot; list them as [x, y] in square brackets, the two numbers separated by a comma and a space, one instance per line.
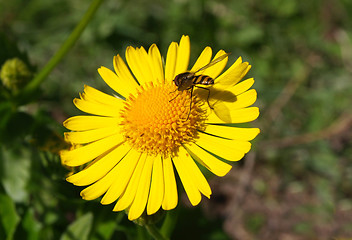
[203, 79]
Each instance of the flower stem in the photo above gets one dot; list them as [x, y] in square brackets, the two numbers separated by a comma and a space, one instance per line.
[169, 223]
[154, 232]
[65, 47]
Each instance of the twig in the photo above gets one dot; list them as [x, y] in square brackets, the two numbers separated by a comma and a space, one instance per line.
[243, 184]
[286, 94]
[235, 213]
[346, 48]
[343, 123]
[245, 178]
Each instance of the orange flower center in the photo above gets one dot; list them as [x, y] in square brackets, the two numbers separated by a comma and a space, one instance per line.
[160, 118]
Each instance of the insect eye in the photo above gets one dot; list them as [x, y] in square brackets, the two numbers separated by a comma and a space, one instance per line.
[188, 76]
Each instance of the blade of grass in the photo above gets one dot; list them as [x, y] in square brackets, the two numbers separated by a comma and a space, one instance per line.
[32, 86]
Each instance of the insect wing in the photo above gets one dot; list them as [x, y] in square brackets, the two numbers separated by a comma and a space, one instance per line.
[215, 61]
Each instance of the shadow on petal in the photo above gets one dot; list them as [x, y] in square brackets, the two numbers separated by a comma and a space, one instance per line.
[217, 99]
[216, 95]
[222, 111]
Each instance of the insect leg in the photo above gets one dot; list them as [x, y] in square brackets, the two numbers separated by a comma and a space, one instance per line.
[190, 104]
[174, 91]
[174, 97]
[208, 95]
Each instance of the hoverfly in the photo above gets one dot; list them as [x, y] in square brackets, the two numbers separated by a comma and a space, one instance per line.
[189, 80]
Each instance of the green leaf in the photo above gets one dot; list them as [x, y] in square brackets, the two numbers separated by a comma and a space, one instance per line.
[18, 126]
[16, 173]
[8, 216]
[31, 225]
[79, 229]
[6, 114]
[105, 230]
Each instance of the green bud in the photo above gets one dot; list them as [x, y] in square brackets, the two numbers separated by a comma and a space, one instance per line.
[15, 74]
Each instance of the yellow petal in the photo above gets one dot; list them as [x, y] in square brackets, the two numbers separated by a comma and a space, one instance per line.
[100, 168]
[138, 62]
[245, 134]
[190, 187]
[244, 115]
[212, 163]
[84, 123]
[219, 114]
[140, 201]
[194, 172]
[170, 198]
[244, 146]
[171, 62]
[94, 95]
[100, 187]
[156, 63]
[216, 69]
[122, 178]
[91, 135]
[90, 151]
[234, 74]
[113, 81]
[156, 194]
[222, 114]
[97, 189]
[183, 54]
[230, 94]
[145, 64]
[129, 83]
[231, 150]
[129, 195]
[242, 86]
[96, 108]
[243, 100]
[133, 61]
[202, 60]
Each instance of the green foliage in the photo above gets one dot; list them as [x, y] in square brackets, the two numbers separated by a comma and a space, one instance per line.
[9, 217]
[301, 57]
[79, 229]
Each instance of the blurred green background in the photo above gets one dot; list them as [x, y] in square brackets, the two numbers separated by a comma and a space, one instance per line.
[295, 184]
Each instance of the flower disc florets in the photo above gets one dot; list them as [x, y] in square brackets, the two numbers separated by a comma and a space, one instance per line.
[159, 118]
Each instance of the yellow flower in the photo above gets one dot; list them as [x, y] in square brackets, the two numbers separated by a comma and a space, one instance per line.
[132, 141]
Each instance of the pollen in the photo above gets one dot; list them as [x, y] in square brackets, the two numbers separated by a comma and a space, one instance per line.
[159, 118]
